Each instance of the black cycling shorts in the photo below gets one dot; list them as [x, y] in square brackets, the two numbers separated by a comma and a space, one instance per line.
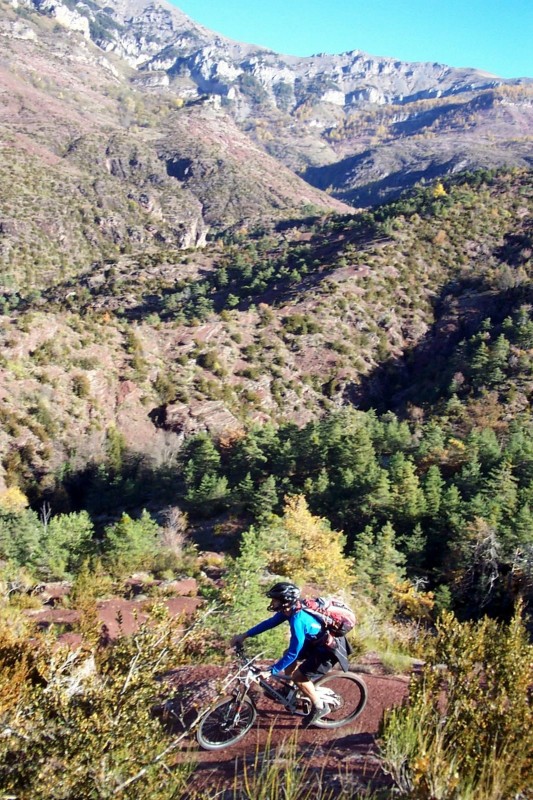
[317, 662]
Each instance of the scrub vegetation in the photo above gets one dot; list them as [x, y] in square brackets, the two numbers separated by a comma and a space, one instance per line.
[375, 377]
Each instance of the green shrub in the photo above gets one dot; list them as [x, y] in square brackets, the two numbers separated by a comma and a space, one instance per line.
[81, 385]
[131, 545]
[81, 725]
[300, 324]
[66, 540]
[467, 732]
[165, 388]
[208, 360]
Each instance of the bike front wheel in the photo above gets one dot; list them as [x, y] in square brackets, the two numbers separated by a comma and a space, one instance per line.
[227, 723]
[346, 694]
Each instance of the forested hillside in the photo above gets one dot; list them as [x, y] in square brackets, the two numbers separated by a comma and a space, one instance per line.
[379, 366]
[342, 401]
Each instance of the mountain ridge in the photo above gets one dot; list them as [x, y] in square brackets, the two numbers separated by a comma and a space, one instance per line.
[313, 112]
[89, 165]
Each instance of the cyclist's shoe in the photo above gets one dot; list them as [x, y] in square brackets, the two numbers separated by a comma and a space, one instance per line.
[315, 714]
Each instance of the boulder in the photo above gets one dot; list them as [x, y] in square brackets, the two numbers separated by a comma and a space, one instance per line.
[52, 593]
[186, 587]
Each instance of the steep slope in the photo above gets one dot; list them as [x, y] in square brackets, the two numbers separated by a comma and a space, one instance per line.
[92, 167]
[146, 349]
[363, 127]
[232, 177]
[428, 139]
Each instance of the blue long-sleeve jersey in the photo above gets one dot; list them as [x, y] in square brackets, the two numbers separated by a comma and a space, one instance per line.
[304, 627]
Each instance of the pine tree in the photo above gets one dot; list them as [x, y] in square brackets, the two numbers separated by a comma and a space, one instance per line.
[309, 448]
[470, 478]
[519, 451]
[247, 457]
[388, 563]
[452, 500]
[201, 457]
[67, 541]
[432, 444]
[479, 506]
[387, 558]
[379, 498]
[346, 479]
[20, 536]
[363, 559]
[395, 435]
[414, 547]
[264, 500]
[319, 487]
[489, 448]
[130, 544]
[409, 501]
[356, 453]
[524, 329]
[433, 487]
[283, 456]
[444, 532]
[501, 493]
[209, 495]
[499, 355]
[245, 491]
[479, 363]
[245, 592]
[517, 533]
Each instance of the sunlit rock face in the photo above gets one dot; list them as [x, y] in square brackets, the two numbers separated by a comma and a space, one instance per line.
[360, 126]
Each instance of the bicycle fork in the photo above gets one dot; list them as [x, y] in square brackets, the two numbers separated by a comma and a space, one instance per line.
[233, 715]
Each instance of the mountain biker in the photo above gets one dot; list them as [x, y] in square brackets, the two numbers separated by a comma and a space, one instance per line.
[306, 645]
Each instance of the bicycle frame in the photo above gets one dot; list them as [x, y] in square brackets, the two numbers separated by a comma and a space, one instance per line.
[288, 695]
[233, 715]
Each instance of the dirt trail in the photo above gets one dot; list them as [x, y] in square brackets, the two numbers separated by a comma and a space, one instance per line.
[347, 755]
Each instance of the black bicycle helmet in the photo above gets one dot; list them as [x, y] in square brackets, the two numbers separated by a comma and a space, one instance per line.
[286, 592]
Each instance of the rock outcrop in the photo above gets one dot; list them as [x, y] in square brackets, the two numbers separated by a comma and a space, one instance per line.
[326, 117]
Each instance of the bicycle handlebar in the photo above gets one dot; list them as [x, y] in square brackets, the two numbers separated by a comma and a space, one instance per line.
[239, 650]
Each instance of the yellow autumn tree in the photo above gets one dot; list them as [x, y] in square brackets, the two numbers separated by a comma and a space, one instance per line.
[439, 190]
[13, 499]
[306, 550]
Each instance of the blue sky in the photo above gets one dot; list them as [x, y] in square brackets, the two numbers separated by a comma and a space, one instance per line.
[492, 35]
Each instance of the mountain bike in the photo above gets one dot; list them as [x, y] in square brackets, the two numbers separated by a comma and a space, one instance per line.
[232, 717]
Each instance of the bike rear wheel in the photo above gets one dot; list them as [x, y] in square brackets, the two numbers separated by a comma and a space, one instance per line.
[347, 700]
[227, 723]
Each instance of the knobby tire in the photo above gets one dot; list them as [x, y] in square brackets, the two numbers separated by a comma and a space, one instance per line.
[351, 691]
[220, 728]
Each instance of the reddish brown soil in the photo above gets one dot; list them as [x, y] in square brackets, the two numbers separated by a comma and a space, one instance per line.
[345, 756]
[118, 616]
